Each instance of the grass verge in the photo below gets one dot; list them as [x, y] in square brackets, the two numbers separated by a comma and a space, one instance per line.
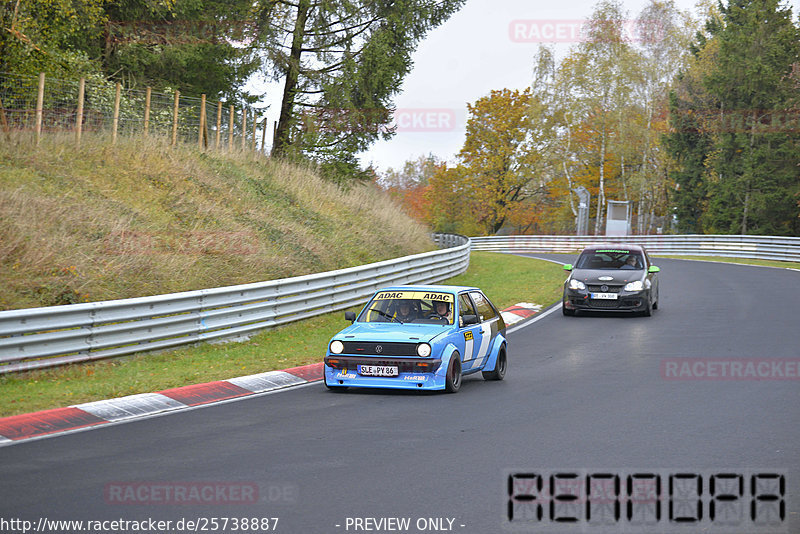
[506, 279]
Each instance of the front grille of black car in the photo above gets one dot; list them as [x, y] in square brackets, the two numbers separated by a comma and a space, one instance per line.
[374, 348]
[610, 289]
[600, 303]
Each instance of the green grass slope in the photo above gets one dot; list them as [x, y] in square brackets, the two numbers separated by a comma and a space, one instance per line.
[139, 218]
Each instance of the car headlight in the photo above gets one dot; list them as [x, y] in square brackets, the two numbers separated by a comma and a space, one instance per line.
[576, 284]
[424, 350]
[337, 346]
[634, 286]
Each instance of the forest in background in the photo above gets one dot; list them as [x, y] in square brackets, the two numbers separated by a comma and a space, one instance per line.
[695, 121]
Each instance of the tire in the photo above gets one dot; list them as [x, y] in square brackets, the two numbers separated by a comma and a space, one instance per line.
[333, 388]
[453, 380]
[500, 367]
[648, 311]
[566, 312]
[655, 304]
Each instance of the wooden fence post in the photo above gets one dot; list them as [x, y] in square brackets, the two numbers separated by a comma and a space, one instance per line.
[39, 108]
[264, 135]
[115, 126]
[147, 110]
[219, 124]
[255, 127]
[175, 118]
[4, 121]
[230, 129]
[79, 118]
[244, 128]
[202, 121]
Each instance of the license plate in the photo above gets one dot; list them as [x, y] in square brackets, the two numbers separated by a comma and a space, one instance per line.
[604, 296]
[378, 370]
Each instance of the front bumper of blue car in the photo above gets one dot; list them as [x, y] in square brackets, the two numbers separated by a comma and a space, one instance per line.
[412, 373]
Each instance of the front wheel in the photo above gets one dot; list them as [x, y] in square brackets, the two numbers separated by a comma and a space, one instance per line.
[500, 366]
[567, 312]
[453, 381]
[648, 311]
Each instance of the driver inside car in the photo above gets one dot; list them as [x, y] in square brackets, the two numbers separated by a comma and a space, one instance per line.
[406, 312]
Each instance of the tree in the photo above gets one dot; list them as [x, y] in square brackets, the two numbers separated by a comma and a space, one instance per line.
[411, 185]
[499, 155]
[51, 36]
[199, 46]
[738, 155]
[341, 63]
[756, 183]
[689, 140]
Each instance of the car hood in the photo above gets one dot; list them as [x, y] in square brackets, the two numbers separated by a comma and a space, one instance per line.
[618, 276]
[392, 332]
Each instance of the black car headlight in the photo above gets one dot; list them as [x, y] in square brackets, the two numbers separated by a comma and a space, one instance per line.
[636, 285]
[576, 284]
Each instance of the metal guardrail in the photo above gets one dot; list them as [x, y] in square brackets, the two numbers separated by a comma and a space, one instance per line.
[57, 335]
[737, 246]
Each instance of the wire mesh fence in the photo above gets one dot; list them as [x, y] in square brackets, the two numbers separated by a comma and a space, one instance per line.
[39, 105]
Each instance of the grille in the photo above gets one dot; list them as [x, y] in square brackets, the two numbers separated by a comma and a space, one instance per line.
[600, 303]
[611, 289]
[386, 349]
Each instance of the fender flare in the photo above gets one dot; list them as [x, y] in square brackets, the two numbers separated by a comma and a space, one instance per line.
[499, 343]
[447, 354]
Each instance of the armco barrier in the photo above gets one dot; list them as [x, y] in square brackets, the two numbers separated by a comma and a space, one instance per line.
[738, 246]
[57, 335]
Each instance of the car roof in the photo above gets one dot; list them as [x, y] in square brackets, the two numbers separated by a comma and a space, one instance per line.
[621, 246]
[430, 287]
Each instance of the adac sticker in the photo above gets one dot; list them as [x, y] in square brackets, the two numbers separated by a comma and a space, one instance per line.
[468, 335]
[421, 295]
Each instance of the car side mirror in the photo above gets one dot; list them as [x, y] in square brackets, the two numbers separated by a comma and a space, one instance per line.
[567, 267]
[469, 319]
[653, 269]
[350, 316]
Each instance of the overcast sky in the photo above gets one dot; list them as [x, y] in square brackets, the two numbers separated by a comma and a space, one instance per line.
[486, 45]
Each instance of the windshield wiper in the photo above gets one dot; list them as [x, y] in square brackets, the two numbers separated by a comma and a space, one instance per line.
[391, 317]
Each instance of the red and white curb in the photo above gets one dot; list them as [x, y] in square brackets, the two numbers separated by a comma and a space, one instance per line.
[518, 312]
[33, 425]
[92, 414]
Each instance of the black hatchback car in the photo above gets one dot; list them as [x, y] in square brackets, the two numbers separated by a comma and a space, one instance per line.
[611, 277]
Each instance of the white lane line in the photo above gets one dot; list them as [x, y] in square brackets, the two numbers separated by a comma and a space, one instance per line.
[535, 318]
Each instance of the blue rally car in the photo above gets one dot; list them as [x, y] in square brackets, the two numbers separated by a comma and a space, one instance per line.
[418, 337]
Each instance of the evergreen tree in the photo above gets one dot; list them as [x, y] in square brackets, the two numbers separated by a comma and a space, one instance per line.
[755, 181]
[341, 63]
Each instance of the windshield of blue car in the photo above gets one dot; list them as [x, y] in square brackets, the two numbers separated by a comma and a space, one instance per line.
[415, 307]
[610, 259]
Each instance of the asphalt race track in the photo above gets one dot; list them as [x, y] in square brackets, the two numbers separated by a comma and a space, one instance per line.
[601, 394]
